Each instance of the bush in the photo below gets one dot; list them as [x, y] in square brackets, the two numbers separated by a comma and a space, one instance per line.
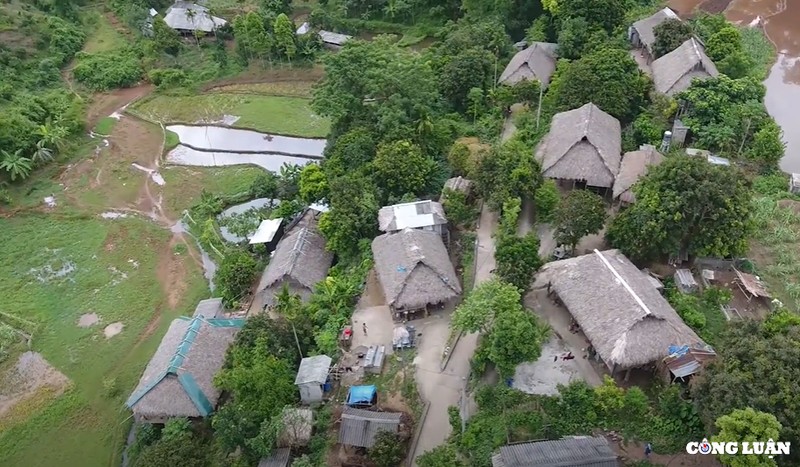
[167, 77]
[108, 70]
[458, 209]
[235, 275]
[387, 451]
[546, 200]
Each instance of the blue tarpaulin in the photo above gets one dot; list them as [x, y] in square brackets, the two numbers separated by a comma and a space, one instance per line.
[362, 394]
[679, 350]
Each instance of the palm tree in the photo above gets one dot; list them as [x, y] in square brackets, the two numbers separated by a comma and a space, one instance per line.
[15, 164]
[42, 153]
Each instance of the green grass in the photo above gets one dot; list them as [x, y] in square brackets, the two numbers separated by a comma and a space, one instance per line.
[171, 140]
[184, 184]
[104, 37]
[775, 247]
[84, 426]
[105, 126]
[760, 51]
[277, 114]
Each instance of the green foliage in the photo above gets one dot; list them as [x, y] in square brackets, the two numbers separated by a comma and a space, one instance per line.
[685, 203]
[478, 312]
[168, 77]
[15, 164]
[444, 455]
[518, 259]
[387, 451]
[723, 43]
[781, 321]
[110, 387]
[460, 211]
[235, 275]
[264, 186]
[579, 214]
[609, 78]
[313, 184]
[181, 450]
[702, 311]
[759, 50]
[285, 37]
[773, 185]
[546, 200]
[459, 159]
[176, 429]
[509, 172]
[165, 38]
[753, 369]
[751, 426]
[353, 214]
[669, 35]
[470, 69]
[108, 70]
[400, 167]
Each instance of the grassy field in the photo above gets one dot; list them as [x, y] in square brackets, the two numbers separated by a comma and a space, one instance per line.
[776, 248]
[184, 184]
[278, 114]
[104, 37]
[112, 267]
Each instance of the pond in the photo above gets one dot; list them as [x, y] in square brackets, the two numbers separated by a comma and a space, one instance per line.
[183, 155]
[236, 140]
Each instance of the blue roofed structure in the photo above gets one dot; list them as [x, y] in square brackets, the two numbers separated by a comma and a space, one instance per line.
[362, 395]
[178, 380]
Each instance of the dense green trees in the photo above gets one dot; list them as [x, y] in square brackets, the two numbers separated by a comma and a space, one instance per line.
[751, 426]
[753, 369]
[509, 172]
[685, 204]
[669, 35]
[608, 77]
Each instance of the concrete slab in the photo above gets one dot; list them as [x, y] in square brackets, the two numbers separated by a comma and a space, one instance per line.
[548, 372]
[379, 327]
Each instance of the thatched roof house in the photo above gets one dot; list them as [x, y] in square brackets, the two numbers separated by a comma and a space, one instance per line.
[584, 145]
[190, 17]
[459, 184]
[536, 62]
[425, 215]
[674, 72]
[178, 380]
[635, 165]
[359, 427]
[300, 261]
[627, 320]
[414, 270]
[642, 33]
[570, 451]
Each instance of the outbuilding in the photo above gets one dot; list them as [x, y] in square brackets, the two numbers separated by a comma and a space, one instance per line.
[311, 378]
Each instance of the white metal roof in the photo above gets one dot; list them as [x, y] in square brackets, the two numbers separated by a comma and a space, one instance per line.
[266, 231]
[303, 29]
[319, 207]
[153, 12]
[411, 215]
[334, 37]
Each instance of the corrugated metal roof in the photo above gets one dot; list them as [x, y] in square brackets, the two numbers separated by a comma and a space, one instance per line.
[304, 28]
[334, 37]
[359, 427]
[313, 370]
[279, 458]
[682, 364]
[685, 278]
[189, 16]
[266, 231]
[411, 216]
[575, 451]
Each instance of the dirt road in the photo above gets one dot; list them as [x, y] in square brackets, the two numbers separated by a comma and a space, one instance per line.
[445, 388]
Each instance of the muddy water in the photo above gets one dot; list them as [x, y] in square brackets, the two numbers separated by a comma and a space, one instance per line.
[781, 21]
[221, 139]
[183, 155]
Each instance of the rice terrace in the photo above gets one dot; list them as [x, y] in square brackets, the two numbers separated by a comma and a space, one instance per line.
[376, 233]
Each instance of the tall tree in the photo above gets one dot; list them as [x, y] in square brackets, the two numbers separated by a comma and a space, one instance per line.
[687, 204]
[472, 68]
[751, 426]
[401, 167]
[285, 37]
[484, 304]
[517, 259]
[609, 78]
[669, 35]
[580, 214]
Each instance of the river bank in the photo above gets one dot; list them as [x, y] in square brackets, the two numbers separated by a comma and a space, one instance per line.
[780, 20]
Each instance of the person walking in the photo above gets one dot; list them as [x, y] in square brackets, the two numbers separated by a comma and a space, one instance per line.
[364, 327]
[648, 448]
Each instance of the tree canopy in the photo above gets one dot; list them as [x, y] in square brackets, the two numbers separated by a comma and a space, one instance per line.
[688, 204]
[751, 426]
[580, 214]
[669, 35]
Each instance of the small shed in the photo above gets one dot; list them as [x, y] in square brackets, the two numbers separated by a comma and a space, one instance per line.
[685, 282]
[459, 184]
[359, 427]
[751, 286]
[311, 377]
[570, 451]
[684, 361]
[373, 361]
[279, 458]
[334, 40]
[269, 232]
[362, 396]
[794, 184]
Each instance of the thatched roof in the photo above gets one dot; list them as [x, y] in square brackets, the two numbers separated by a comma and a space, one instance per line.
[414, 215]
[583, 144]
[188, 16]
[178, 380]
[571, 451]
[627, 320]
[646, 27]
[538, 62]
[359, 427]
[279, 458]
[300, 257]
[674, 72]
[458, 184]
[635, 165]
[414, 269]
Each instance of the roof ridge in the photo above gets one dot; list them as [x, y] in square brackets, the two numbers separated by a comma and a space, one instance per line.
[589, 119]
[294, 255]
[624, 283]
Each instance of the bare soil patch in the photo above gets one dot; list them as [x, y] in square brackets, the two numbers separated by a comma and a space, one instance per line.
[715, 6]
[171, 272]
[285, 75]
[30, 375]
[113, 329]
[105, 104]
[633, 452]
[88, 320]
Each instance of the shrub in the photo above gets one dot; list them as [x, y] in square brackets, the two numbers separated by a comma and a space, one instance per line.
[387, 451]
[546, 200]
[167, 77]
[235, 275]
[108, 70]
